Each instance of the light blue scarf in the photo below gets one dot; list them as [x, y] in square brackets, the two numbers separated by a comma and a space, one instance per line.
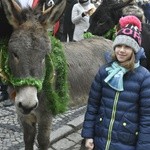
[115, 75]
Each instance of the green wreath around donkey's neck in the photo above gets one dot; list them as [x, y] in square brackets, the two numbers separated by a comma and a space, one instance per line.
[54, 84]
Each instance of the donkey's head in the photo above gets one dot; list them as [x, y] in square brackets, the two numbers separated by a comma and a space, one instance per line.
[106, 16]
[28, 46]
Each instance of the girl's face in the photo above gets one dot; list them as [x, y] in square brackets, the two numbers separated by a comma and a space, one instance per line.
[123, 53]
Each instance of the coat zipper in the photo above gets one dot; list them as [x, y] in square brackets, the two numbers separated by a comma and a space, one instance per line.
[112, 120]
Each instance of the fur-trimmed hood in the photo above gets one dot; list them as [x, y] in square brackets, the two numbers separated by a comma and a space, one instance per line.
[134, 10]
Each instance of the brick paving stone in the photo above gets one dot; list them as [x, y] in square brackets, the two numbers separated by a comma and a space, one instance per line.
[76, 147]
[75, 137]
[60, 133]
[63, 144]
[77, 121]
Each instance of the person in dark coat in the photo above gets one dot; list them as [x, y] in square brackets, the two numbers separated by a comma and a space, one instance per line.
[5, 27]
[5, 33]
[68, 26]
[118, 109]
[146, 9]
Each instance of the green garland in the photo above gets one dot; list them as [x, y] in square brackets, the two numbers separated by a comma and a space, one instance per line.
[88, 35]
[111, 34]
[56, 87]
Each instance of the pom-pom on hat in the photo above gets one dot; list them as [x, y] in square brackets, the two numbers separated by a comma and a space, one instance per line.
[130, 33]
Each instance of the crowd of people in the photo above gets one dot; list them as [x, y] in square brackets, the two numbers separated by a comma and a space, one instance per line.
[75, 19]
[74, 23]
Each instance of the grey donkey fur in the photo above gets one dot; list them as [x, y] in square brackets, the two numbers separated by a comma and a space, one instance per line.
[27, 48]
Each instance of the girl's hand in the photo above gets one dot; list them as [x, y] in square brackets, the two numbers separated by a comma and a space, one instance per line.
[89, 144]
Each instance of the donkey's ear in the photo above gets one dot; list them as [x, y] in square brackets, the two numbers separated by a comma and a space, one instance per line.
[12, 10]
[53, 13]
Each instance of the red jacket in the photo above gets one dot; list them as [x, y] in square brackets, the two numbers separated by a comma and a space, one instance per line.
[35, 2]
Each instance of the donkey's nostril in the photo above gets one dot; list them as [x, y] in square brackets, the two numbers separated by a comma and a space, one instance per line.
[35, 105]
[27, 110]
[20, 105]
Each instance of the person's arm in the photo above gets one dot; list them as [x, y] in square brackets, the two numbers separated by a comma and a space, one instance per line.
[76, 15]
[143, 142]
[92, 108]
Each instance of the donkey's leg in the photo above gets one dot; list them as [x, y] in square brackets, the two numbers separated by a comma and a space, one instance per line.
[29, 130]
[44, 128]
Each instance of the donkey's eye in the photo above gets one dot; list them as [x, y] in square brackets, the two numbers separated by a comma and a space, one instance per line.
[101, 22]
[15, 55]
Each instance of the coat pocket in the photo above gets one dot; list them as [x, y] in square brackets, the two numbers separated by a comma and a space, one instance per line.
[127, 132]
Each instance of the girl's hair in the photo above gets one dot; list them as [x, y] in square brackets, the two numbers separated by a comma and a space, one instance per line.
[129, 64]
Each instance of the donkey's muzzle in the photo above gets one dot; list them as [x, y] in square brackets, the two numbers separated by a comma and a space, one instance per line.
[26, 110]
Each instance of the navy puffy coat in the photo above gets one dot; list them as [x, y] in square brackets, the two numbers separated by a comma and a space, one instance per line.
[119, 120]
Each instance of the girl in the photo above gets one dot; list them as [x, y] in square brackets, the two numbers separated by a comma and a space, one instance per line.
[118, 110]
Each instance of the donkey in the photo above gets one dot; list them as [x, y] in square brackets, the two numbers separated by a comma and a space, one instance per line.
[28, 46]
[106, 16]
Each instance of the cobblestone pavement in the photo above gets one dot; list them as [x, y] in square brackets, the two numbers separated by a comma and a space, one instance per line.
[65, 134]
